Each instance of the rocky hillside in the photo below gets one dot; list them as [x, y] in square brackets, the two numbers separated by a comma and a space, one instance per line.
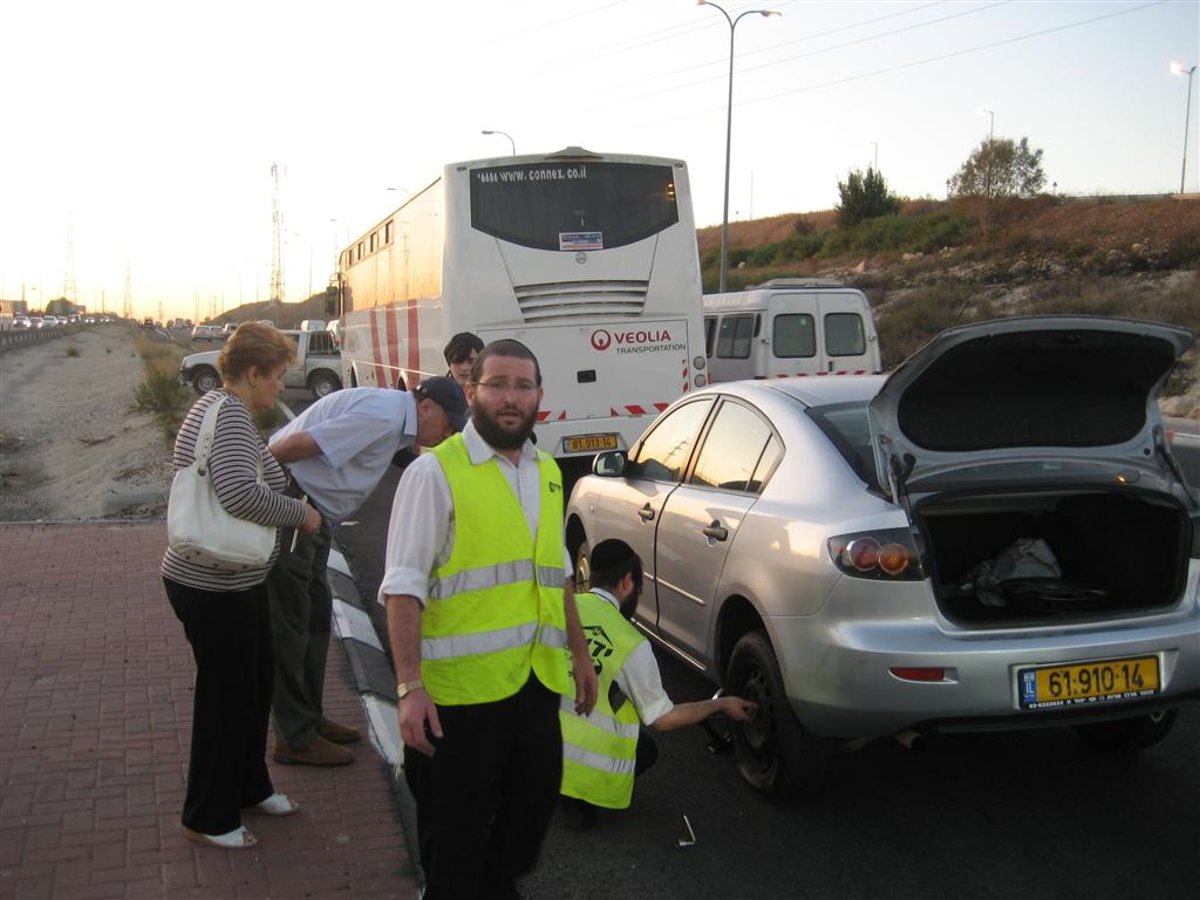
[941, 263]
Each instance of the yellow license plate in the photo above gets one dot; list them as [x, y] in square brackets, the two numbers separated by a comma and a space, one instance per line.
[590, 443]
[1094, 682]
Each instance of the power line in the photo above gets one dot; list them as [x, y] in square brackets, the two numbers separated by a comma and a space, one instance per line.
[918, 62]
[721, 77]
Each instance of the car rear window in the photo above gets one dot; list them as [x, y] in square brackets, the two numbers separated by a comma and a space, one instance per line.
[848, 429]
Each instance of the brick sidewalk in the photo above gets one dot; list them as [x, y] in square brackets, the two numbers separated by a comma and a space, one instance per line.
[95, 705]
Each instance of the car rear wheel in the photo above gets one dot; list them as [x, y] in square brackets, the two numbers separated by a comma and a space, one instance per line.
[205, 380]
[322, 384]
[1128, 735]
[775, 753]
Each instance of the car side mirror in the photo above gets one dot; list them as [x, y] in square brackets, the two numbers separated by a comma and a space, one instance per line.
[610, 464]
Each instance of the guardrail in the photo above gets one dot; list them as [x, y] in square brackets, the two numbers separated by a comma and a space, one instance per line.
[19, 338]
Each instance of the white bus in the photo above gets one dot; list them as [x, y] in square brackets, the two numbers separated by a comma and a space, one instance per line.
[588, 259]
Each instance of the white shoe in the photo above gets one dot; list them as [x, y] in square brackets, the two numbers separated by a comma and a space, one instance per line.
[275, 805]
[238, 839]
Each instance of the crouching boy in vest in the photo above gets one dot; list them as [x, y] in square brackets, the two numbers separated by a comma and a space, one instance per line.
[605, 750]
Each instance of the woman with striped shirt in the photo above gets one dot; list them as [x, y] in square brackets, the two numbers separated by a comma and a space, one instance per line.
[224, 613]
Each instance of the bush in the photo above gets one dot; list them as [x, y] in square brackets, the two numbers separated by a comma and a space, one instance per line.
[72, 352]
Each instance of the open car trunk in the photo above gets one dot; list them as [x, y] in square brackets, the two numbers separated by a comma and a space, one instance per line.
[1037, 558]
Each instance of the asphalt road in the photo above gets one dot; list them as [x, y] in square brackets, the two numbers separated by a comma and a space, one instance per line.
[1031, 814]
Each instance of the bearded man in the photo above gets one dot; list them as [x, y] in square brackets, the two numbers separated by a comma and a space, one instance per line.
[480, 606]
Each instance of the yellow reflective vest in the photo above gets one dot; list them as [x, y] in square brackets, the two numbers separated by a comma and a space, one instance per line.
[600, 749]
[495, 607]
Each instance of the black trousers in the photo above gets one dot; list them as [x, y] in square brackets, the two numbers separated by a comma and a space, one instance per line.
[486, 797]
[301, 612]
[230, 636]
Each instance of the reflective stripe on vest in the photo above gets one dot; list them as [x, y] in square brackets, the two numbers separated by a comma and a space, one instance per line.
[600, 749]
[599, 761]
[495, 607]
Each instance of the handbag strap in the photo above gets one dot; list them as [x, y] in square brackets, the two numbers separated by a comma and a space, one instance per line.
[204, 440]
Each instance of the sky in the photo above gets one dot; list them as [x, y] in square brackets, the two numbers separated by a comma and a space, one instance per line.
[139, 137]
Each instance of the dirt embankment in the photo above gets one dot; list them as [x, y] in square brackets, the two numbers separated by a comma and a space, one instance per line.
[73, 444]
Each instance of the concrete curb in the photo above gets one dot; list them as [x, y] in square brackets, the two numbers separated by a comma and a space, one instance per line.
[376, 683]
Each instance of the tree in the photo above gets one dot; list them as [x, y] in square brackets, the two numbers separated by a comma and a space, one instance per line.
[864, 197]
[1000, 168]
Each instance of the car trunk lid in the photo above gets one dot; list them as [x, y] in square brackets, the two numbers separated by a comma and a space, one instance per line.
[1014, 399]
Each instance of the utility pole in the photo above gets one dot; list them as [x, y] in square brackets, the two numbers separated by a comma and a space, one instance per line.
[277, 293]
[128, 308]
[69, 278]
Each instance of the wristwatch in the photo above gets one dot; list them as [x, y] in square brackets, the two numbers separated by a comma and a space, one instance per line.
[404, 688]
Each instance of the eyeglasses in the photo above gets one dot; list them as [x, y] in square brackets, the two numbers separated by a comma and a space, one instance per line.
[500, 386]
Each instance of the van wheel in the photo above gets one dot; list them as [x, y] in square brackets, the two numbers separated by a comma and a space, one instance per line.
[205, 380]
[1128, 735]
[775, 753]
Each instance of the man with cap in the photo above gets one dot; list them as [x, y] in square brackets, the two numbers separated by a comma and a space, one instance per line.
[605, 750]
[337, 452]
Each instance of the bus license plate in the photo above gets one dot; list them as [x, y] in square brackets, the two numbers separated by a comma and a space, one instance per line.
[1094, 682]
[590, 443]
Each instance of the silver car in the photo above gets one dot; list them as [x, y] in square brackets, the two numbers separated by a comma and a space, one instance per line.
[994, 536]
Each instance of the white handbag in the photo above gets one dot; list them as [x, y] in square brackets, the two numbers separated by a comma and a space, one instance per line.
[199, 528]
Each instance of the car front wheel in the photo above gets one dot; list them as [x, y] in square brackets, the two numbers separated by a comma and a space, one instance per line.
[774, 751]
[583, 568]
[1128, 735]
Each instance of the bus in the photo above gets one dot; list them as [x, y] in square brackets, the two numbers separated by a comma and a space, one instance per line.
[589, 259]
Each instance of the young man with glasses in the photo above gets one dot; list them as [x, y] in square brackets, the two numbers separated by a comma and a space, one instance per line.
[477, 585]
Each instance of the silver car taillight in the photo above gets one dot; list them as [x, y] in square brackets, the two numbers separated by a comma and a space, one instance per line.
[889, 554]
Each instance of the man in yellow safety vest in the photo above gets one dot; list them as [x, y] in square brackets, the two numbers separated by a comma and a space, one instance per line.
[603, 751]
[480, 608]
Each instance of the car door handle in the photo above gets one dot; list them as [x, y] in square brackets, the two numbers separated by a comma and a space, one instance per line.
[646, 514]
[717, 531]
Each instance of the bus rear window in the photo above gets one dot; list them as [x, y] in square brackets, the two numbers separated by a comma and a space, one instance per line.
[573, 205]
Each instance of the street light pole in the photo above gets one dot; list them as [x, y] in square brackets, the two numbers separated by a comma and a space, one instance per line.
[729, 126]
[1178, 69]
[505, 134]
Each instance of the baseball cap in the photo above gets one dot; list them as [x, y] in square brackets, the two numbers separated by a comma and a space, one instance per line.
[447, 394]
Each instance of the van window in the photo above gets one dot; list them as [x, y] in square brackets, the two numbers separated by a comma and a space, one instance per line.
[710, 334]
[794, 335]
[733, 341]
[844, 335]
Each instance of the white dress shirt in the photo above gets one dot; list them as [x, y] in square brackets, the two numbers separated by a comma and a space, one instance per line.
[358, 431]
[421, 530]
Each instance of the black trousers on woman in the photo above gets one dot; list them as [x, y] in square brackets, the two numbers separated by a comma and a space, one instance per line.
[230, 634]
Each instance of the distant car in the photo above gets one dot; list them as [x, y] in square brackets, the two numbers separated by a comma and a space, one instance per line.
[207, 333]
[37, 322]
[21, 323]
[995, 536]
[229, 328]
[49, 321]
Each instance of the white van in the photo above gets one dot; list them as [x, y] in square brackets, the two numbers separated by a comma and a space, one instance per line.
[790, 327]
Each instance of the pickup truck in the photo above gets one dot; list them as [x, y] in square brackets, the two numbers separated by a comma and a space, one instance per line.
[318, 362]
